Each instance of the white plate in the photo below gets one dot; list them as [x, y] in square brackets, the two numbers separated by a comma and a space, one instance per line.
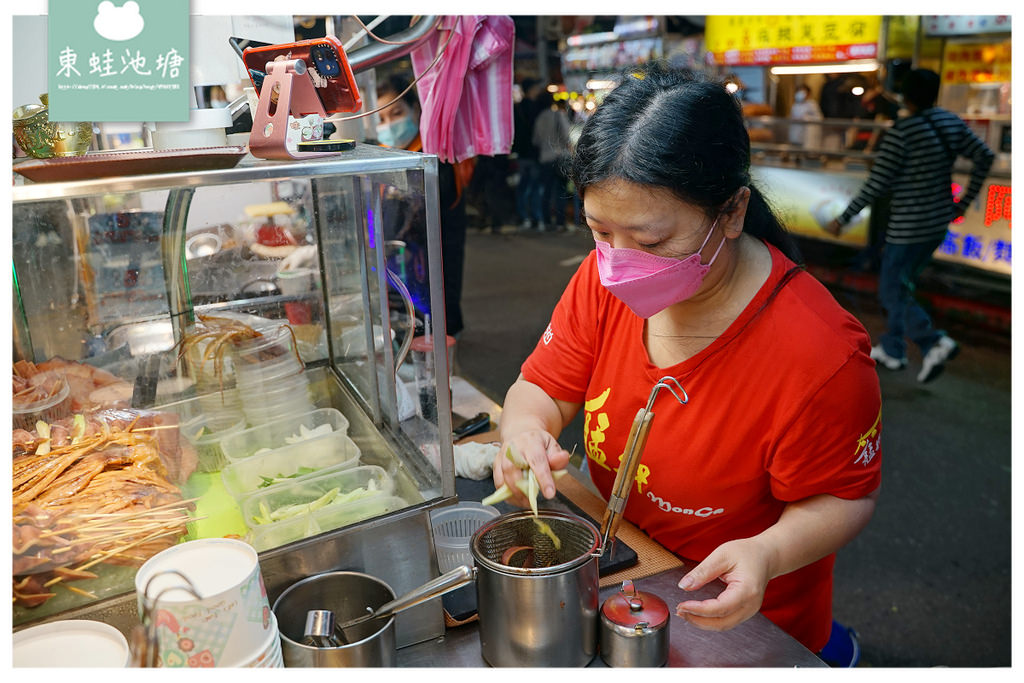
[75, 642]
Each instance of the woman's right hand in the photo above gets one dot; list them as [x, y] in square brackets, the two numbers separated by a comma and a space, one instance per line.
[540, 451]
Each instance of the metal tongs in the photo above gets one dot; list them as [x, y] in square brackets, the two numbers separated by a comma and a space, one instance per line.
[143, 644]
[630, 461]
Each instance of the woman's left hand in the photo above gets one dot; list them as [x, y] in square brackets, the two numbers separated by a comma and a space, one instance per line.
[744, 567]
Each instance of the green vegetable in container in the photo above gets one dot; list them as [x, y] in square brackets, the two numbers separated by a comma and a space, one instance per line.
[332, 497]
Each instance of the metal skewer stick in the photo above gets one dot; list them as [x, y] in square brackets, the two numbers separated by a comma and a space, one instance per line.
[630, 461]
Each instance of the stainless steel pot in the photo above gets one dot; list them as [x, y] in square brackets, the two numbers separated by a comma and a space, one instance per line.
[347, 594]
[543, 613]
[537, 599]
[363, 608]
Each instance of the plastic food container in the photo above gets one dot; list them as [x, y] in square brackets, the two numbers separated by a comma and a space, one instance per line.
[208, 445]
[454, 527]
[325, 455]
[49, 409]
[276, 432]
[376, 499]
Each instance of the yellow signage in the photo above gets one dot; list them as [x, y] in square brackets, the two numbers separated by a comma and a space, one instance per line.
[964, 63]
[742, 39]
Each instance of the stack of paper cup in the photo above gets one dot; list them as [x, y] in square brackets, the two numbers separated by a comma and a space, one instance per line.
[223, 620]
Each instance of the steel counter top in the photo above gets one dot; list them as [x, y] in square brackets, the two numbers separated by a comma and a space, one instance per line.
[755, 643]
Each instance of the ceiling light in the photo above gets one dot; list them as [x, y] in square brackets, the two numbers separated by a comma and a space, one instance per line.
[857, 66]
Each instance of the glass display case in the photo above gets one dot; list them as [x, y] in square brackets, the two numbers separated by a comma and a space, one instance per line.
[249, 330]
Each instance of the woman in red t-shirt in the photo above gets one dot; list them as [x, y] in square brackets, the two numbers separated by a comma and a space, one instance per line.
[773, 463]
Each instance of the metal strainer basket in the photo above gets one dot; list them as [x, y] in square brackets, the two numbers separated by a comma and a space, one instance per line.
[515, 543]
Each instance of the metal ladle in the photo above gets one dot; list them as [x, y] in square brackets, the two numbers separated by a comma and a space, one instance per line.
[445, 583]
[630, 460]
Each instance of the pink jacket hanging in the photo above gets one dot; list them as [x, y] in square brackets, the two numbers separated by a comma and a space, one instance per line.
[466, 99]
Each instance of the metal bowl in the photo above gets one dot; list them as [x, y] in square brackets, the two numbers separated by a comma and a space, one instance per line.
[41, 138]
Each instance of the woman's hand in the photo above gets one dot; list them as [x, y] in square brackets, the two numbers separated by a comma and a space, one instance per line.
[744, 566]
[833, 227]
[807, 531]
[536, 449]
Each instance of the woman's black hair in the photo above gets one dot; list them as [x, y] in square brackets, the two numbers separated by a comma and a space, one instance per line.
[682, 131]
[394, 85]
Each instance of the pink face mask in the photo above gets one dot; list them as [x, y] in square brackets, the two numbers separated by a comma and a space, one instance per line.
[648, 283]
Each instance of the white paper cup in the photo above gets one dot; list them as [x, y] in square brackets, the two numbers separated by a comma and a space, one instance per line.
[231, 622]
[70, 643]
[269, 655]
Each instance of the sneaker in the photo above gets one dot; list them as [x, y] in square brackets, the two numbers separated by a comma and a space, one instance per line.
[541, 227]
[934, 361]
[525, 225]
[843, 647]
[879, 355]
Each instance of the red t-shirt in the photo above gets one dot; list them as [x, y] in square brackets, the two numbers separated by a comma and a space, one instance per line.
[783, 406]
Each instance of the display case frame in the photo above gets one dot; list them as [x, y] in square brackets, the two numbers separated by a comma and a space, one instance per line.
[396, 546]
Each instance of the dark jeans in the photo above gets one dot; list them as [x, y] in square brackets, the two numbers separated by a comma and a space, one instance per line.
[489, 190]
[553, 194]
[897, 280]
[528, 191]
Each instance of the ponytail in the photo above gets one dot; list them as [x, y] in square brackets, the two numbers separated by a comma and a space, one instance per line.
[761, 221]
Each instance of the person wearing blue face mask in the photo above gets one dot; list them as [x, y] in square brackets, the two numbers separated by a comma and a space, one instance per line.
[774, 461]
[399, 126]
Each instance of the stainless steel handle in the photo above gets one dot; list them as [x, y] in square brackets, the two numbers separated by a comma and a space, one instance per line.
[630, 461]
[448, 581]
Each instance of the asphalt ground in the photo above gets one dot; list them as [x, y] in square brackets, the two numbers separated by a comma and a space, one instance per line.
[928, 582]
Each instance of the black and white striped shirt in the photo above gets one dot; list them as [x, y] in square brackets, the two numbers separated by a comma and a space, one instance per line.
[914, 164]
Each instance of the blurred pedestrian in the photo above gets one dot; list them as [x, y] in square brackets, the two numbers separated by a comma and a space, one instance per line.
[551, 136]
[489, 193]
[878, 105]
[805, 109]
[528, 188]
[914, 165]
[399, 127]
[837, 102]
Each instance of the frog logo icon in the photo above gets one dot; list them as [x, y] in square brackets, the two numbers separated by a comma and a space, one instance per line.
[118, 23]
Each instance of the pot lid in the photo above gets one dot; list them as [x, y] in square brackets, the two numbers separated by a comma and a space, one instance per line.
[630, 608]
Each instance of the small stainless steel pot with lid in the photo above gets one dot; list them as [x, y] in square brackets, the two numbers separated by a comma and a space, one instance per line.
[634, 629]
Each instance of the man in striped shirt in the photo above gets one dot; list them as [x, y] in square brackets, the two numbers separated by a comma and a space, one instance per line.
[914, 167]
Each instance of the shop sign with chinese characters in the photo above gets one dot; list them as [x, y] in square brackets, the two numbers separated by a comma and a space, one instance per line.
[120, 60]
[965, 24]
[790, 39]
[971, 62]
[982, 237]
